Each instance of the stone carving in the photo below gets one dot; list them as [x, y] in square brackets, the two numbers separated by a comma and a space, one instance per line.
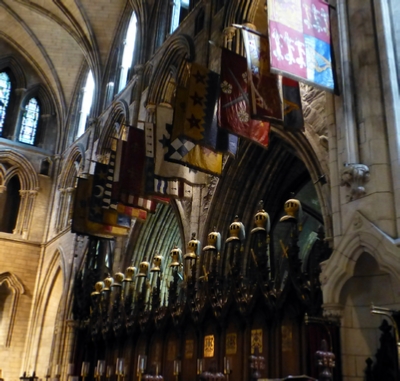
[207, 199]
[333, 312]
[354, 176]
[313, 102]
[357, 222]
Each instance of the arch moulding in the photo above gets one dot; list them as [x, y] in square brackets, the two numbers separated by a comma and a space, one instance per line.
[361, 236]
[17, 289]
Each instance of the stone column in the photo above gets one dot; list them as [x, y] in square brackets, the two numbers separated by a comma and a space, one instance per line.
[354, 175]
[11, 128]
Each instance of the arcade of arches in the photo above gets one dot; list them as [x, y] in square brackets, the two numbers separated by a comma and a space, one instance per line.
[289, 256]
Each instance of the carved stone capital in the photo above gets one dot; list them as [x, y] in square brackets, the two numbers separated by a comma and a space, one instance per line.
[333, 311]
[23, 193]
[139, 69]
[354, 177]
[229, 33]
[151, 108]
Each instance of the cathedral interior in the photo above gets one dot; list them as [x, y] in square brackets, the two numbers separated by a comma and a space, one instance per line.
[285, 263]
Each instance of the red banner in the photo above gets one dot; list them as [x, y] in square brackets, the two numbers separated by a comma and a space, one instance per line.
[299, 34]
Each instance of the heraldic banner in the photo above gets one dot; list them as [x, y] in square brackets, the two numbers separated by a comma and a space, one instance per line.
[299, 35]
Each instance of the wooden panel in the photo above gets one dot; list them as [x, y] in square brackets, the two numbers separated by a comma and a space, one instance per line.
[290, 348]
[171, 348]
[190, 354]
[234, 350]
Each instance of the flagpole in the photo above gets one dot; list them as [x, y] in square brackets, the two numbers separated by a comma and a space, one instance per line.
[239, 26]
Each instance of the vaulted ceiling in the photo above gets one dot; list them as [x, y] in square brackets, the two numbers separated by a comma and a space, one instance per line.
[60, 37]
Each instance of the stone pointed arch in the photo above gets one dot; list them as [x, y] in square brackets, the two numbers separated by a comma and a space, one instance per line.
[15, 68]
[113, 125]
[24, 169]
[240, 11]
[70, 170]
[29, 186]
[305, 150]
[140, 9]
[361, 236]
[73, 167]
[53, 270]
[178, 52]
[17, 289]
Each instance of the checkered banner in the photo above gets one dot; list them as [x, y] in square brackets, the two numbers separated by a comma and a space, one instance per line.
[299, 36]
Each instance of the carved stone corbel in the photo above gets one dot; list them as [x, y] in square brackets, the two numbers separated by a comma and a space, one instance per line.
[354, 176]
[333, 312]
[229, 32]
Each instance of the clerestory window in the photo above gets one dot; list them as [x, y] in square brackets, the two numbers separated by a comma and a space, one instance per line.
[127, 57]
[5, 90]
[30, 121]
[86, 105]
[180, 10]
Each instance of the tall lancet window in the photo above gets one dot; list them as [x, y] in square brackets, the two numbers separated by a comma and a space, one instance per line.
[180, 10]
[87, 99]
[129, 48]
[30, 121]
[5, 89]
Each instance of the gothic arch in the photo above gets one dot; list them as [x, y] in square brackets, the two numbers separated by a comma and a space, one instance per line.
[23, 168]
[15, 68]
[140, 9]
[361, 237]
[179, 51]
[72, 168]
[54, 269]
[69, 171]
[29, 187]
[17, 289]
[39, 91]
[73, 118]
[305, 150]
[112, 127]
[240, 11]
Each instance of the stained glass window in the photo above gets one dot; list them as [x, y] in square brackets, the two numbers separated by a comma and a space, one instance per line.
[30, 122]
[5, 89]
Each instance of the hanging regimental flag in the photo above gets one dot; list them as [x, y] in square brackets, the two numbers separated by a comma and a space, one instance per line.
[81, 224]
[265, 97]
[196, 139]
[293, 112]
[193, 134]
[195, 114]
[98, 192]
[233, 104]
[162, 150]
[194, 107]
[130, 175]
[299, 34]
